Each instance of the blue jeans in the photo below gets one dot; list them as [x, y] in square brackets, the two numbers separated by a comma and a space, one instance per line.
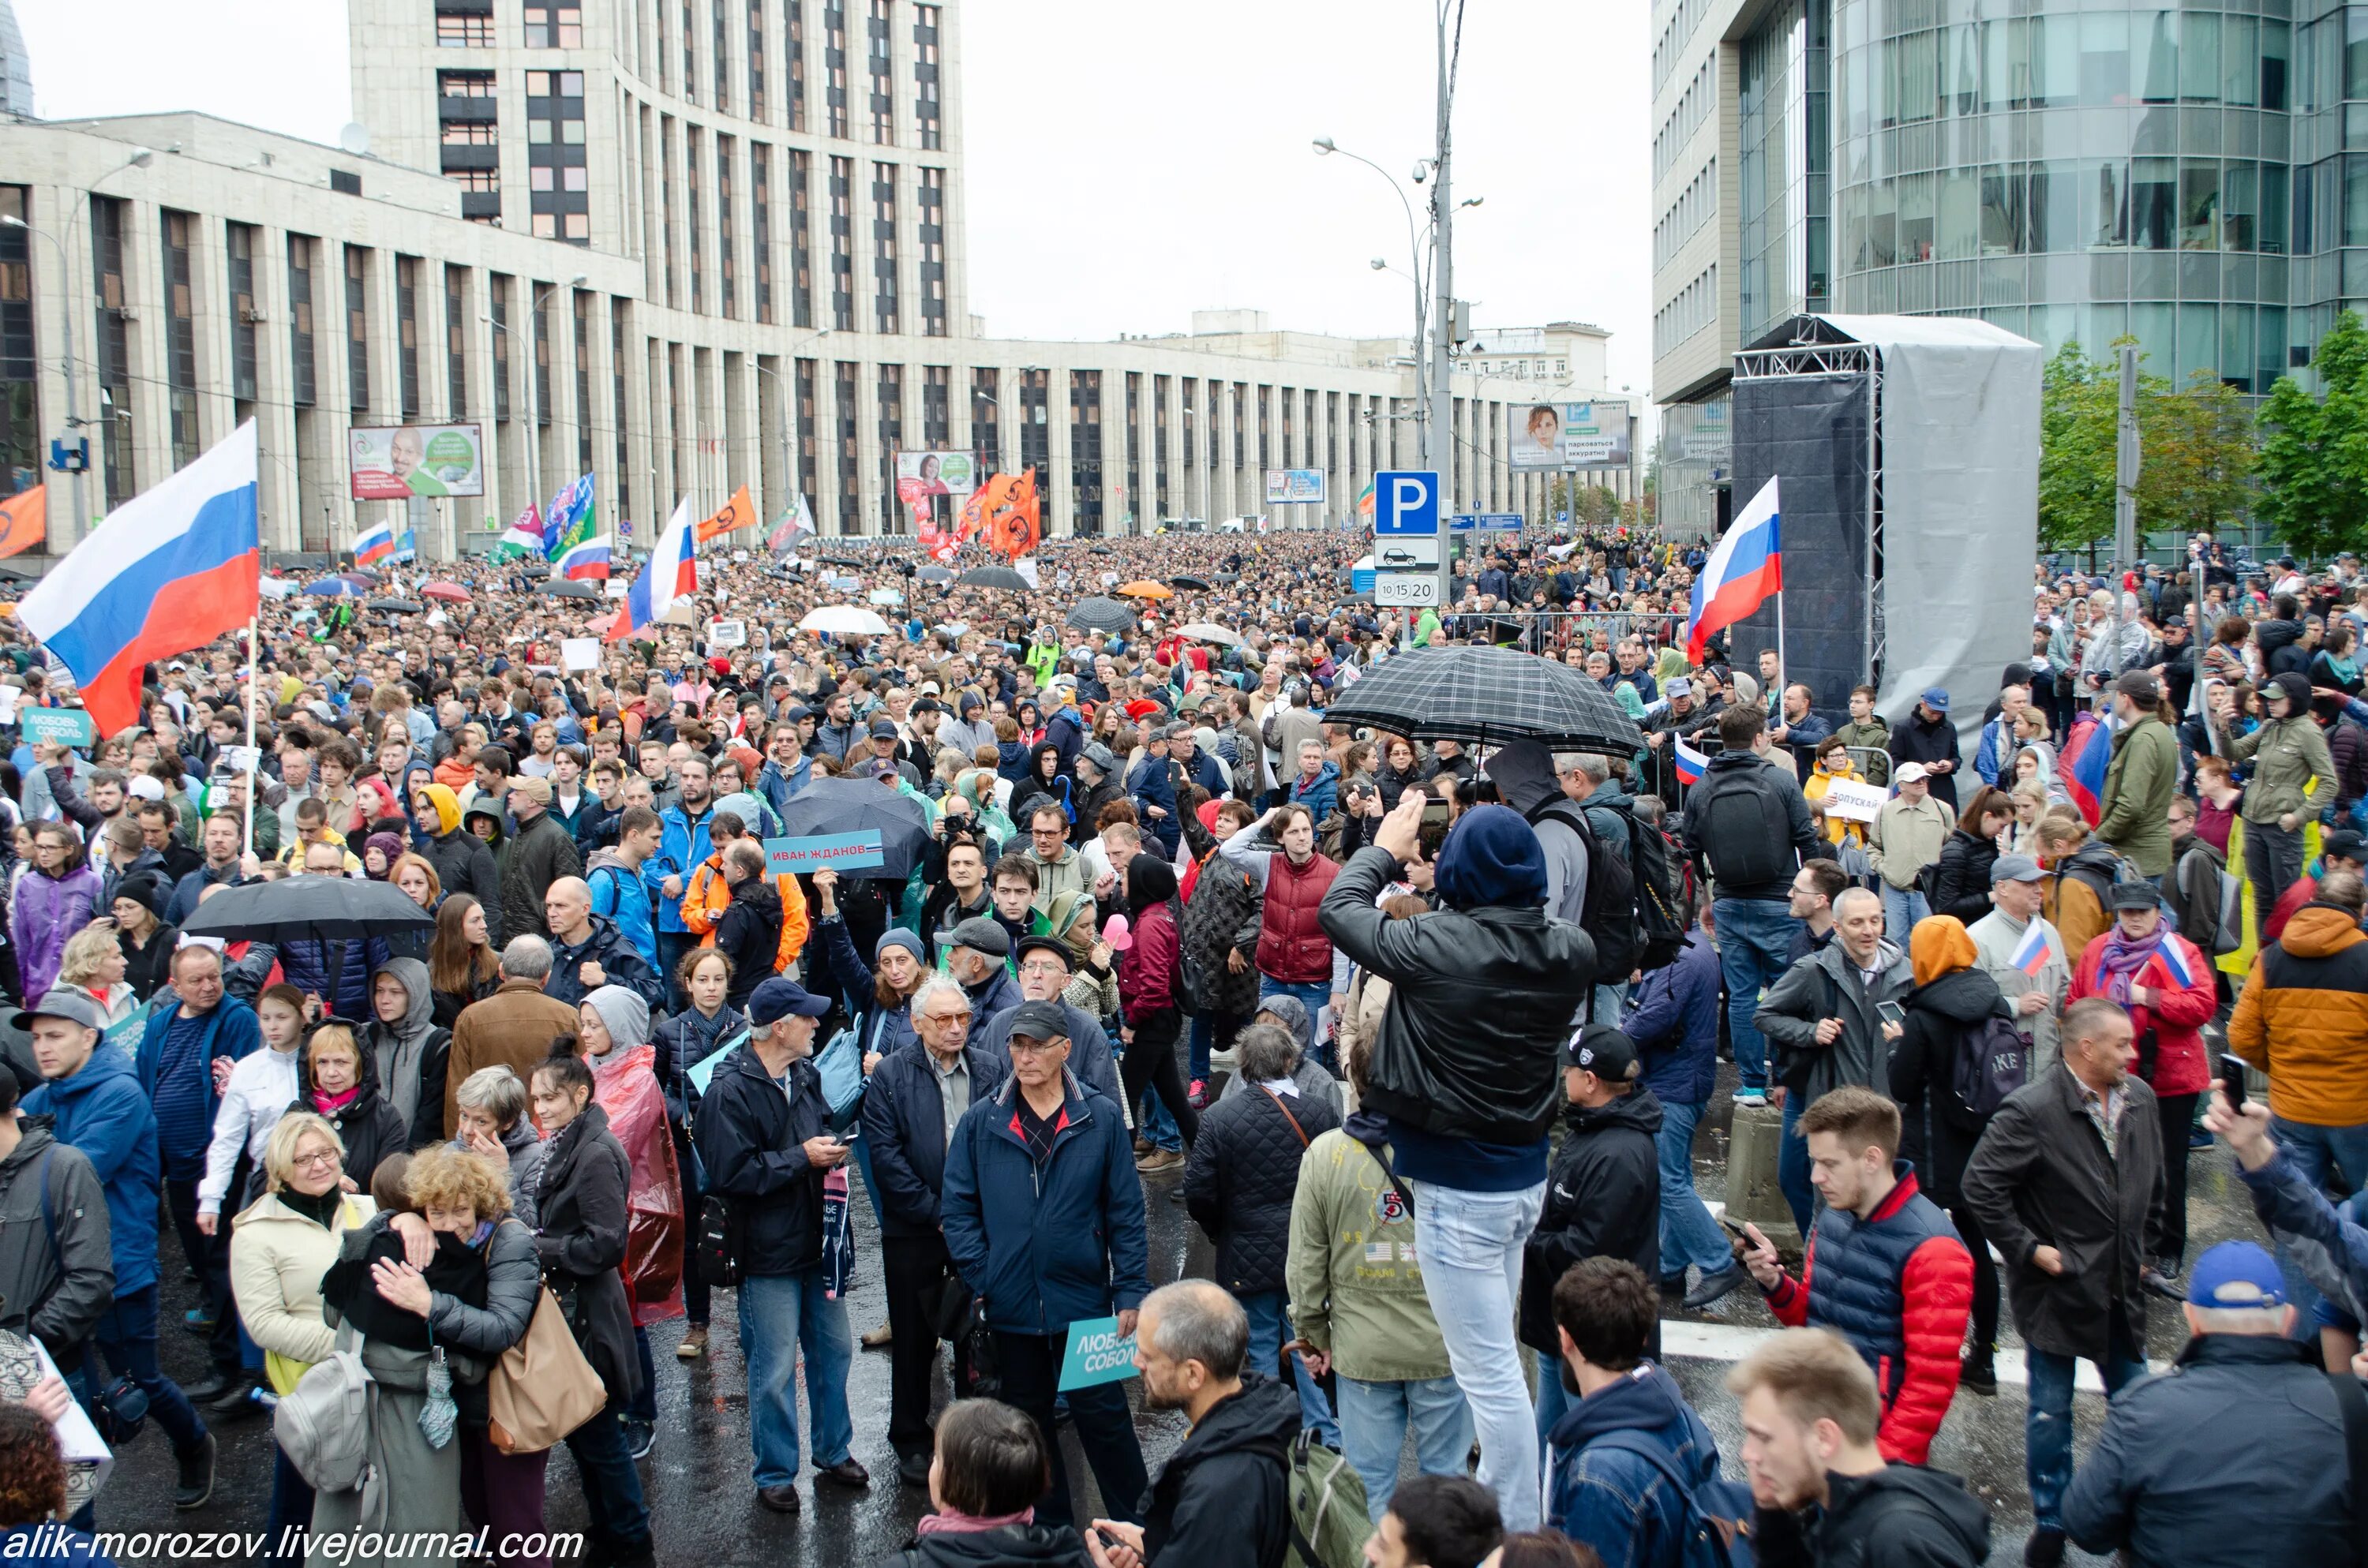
[1754, 937]
[1373, 1422]
[612, 1487]
[1203, 1043]
[644, 1408]
[1152, 1120]
[1689, 1236]
[1270, 1325]
[1553, 1400]
[126, 1338]
[1470, 1246]
[2047, 1425]
[1609, 1003]
[2330, 1158]
[1793, 1166]
[780, 1315]
[1315, 997]
[1901, 911]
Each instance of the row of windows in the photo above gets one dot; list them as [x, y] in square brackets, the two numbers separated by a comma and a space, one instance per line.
[1669, 48]
[2087, 205]
[1693, 107]
[1695, 206]
[1694, 308]
[554, 27]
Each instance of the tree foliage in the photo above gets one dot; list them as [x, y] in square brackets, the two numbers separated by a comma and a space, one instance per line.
[2196, 451]
[2314, 467]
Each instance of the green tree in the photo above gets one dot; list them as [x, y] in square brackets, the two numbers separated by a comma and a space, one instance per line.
[2314, 467]
[2196, 451]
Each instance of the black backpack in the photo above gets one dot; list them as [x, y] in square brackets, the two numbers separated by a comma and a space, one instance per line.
[1993, 1062]
[1608, 914]
[1736, 822]
[1664, 902]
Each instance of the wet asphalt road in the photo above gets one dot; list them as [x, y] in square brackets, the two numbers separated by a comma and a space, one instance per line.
[706, 1513]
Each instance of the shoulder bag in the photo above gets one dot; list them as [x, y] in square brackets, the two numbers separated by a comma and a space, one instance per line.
[542, 1388]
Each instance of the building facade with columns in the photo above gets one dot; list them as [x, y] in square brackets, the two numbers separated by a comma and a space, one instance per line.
[682, 247]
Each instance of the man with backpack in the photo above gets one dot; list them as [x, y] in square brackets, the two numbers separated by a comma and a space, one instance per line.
[1631, 1470]
[1885, 1267]
[1751, 825]
[1824, 1495]
[57, 1269]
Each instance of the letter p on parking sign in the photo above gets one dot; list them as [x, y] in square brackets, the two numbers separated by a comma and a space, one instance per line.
[1406, 501]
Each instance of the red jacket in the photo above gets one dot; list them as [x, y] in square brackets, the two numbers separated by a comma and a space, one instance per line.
[1146, 971]
[1292, 946]
[1930, 1287]
[2181, 1064]
[2303, 890]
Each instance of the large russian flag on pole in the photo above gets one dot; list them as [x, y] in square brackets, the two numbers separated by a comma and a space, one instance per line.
[1748, 566]
[372, 544]
[669, 574]
[168, 571]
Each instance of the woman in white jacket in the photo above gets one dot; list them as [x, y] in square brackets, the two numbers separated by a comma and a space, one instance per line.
[262, 1085]
[279, 1248]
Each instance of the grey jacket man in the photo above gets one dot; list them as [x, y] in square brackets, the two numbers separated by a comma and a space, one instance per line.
[1825, 985]
[57, 1273]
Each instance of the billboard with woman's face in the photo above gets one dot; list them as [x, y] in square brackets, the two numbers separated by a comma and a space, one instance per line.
[1568, 435]
[936, 473]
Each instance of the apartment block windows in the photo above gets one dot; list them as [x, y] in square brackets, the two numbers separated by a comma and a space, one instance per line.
[1086, 451]
[456, 341]
[1241, 402]
[851, 478]
[539, 308]
[723, 55]
[467, 118]
[793, 28]
[559, 186]
[809, 438]
[554, 27]
[726, 261]
[21, 422]
[1133, 497]
[892, 438]
[666, 198]
[181, 336]
[760, 236]
[834, 65]
[406, 334]
[842, 245]
[755, 59]
[926, 77]
[932, 198]
[883, 247]
[986, 419]
[1159, 443]
[936, 409]
[302, 381]
[497, 305]
[691, 51]
[1035, 434]
[357, 328]
[114, 348]
[801, 240]
[239, 252]
[463, 30]
[883, 76]
[1190, 389]
[694, 237]
[617, 403]
[583, 379]
[1217, 428]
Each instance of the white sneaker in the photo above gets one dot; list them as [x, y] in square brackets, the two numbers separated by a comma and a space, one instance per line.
[1750, 1097]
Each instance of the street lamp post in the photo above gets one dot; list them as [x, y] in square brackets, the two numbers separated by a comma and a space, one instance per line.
[140, 159]
[1443, 278]
[789, 402]
[1326, 147]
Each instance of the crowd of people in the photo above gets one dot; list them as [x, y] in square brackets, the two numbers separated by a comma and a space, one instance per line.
[1422, 1037]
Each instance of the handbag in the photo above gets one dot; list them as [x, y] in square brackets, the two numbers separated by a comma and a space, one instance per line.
[542, 1388]
[1286, 1114]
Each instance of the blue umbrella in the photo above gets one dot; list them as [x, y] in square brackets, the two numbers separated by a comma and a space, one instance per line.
[331, 587]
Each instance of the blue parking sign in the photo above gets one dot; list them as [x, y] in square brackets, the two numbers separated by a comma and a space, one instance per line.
[1406, 501]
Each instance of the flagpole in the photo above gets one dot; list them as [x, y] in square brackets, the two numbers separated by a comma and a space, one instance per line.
[255, 778]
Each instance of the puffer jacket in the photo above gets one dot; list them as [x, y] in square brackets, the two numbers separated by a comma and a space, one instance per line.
[1603, 1200]
[684, 1041]
[1962, 885]
[2302, 1013]
[337, 970]
[1239, 1181]
[1220, 917]
[1149, 975]
[1480, 1004]
[277, 1258]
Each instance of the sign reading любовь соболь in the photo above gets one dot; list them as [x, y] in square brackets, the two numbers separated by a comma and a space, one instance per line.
[1098, 1353]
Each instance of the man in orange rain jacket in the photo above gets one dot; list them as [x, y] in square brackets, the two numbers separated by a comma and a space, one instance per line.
[703, 902]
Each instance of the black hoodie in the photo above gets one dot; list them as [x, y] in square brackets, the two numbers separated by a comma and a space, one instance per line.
[1011, 1546]
[1603, 1200]
[1903, 1516]
[1223, 1497]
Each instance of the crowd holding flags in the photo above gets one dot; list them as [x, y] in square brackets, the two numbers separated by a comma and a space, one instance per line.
[523, 537]
[1743, 572]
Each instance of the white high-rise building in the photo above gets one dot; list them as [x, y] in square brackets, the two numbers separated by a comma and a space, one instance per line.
[16, 65]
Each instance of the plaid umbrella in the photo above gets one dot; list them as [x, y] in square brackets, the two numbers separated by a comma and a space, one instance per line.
[1098, 614]
[1487, 696]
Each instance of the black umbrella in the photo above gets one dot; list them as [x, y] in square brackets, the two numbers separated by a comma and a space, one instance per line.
[1101, 550]
[1098, 614]
[535, 569]
[1193, 584]
[992, 577]
[565, 588]
[936, 573]
[396, 606]
[859, 805]
[856, 562]
[308, 908]
[1487, 696]
[1227, 579]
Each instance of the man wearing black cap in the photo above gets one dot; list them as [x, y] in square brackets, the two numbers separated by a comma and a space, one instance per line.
[763, 1134]
[1042, 1213]
[1604, 1196]
[98, 1106]
[1045, 967]
[974, 953]
[887, 744]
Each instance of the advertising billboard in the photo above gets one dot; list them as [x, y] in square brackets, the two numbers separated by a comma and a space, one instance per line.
[935, 474]
[394, 463]
[1568, 435]
[1294, 487]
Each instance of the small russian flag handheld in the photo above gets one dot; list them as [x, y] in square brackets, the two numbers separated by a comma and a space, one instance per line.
[2174, 963]
[2031, 954]
[1691, 764]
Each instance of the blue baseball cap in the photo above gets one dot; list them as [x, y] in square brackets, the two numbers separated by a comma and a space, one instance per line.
[2235, 1275]
[1936, 697]
[777, 998]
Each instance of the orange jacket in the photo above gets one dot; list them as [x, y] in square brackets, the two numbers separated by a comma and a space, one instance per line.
[704, 899]
[2301, 1015]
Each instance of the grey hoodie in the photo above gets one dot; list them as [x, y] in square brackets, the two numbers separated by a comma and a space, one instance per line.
[1310, 1076]
[402, 1053]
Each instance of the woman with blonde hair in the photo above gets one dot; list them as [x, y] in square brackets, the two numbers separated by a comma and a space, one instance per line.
[280, 1246]
[1833, 764]
[94, 964]
[339, 1085]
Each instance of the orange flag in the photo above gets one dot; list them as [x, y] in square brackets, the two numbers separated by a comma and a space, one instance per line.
[738, 513]
[24, 521]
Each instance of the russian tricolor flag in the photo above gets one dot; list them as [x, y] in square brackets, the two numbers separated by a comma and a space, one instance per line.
[670, 574]
[2174, 963]
[2029, 955]
[588, 559]
[1691, 763]
[2088, 753]
[168, 571]
[373, 543]
[1748, 566]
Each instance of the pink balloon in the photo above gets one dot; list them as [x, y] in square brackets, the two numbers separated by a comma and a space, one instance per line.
[1116, 932]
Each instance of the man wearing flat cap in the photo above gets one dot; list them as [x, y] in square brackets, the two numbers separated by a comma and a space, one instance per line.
[975, 953]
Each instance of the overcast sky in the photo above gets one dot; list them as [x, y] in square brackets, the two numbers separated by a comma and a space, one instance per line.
[1128, 163]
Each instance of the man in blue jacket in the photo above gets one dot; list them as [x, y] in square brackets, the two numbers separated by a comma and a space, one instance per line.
[96, 1104]
[1673, 1019]
[183, 1059]
[1152, 788]
[682, 846]
[1042, 1213]
[1615, 1460]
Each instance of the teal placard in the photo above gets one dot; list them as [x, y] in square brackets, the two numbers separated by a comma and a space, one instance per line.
[60, 726]
[705, 1069]
[1098, 1353]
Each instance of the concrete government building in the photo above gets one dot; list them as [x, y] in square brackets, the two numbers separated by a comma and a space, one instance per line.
[680, 245]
